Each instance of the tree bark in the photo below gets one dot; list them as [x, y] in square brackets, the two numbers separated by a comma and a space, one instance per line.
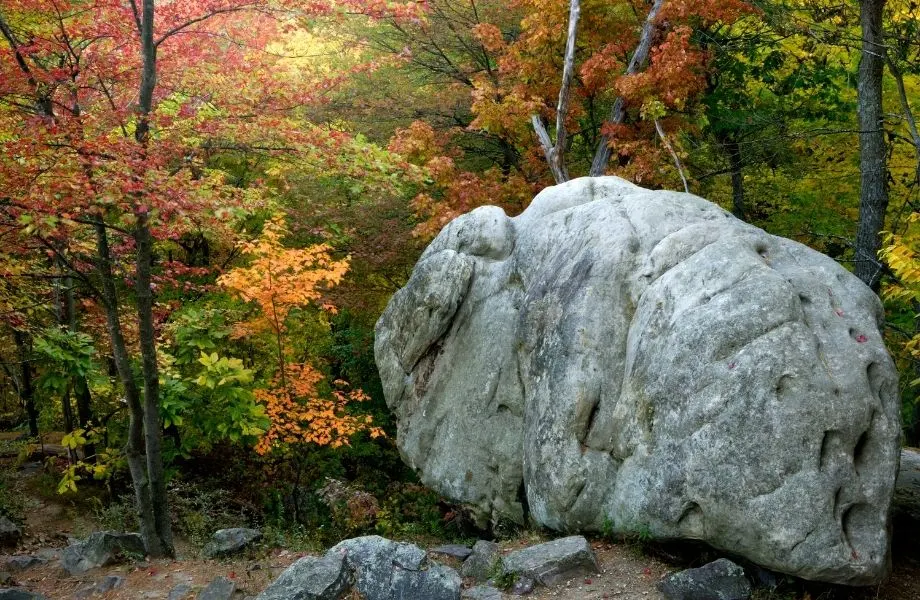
[555, 153]
[873, 195]
[152, 426]
[618, 112]
[80, 385]
[736, 164]
[26, 389]
[134, 452]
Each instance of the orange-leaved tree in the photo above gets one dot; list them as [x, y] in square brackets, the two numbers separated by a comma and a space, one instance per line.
[282, 282]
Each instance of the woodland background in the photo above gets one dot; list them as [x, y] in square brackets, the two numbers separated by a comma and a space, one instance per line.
[205, 205]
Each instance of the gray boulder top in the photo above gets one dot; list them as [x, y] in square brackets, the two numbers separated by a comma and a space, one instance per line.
[640, 361]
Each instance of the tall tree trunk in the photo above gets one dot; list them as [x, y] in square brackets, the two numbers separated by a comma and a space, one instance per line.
[134, 452]
[26, 389]
[873, 193]
[152, 427]
[736, 164]
[618, 112]
[80, 385]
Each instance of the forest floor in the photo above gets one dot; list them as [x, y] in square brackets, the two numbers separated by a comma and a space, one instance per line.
[629, 571]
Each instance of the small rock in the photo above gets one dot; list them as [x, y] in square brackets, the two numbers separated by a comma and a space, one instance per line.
[21, 562]
[10, 533]
[481, 562]
[109, 582]
[100, 549]
[719, 580]
[481, 592]
[549, 562]
[219, 589]
[453, 550]
[48, 553]
[522, 586]
[179, 592]
[311, 578]
[225, 542]
[19, 594]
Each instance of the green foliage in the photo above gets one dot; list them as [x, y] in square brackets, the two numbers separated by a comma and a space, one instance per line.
[503, 579]
[69, 355]
[199, 510]
[12, 501]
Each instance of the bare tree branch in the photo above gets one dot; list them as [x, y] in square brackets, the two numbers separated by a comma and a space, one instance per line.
[555, 153]
[667, 144]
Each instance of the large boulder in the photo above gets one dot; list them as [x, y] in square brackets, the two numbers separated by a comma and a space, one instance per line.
[640, 361]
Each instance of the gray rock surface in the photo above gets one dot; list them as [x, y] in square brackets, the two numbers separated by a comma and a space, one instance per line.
[226, 542]
[100, 549]
[19, 594]
[179, 592]
[642, 361]
[220, 588]
[522, 586]
[906, 502]
[481, 592]
[718, 580]
[481, 562]
[453, 550]
[107, 583]
[551, 561]
[311, 578]
[10, 533]
[384, 569]
[21, 562]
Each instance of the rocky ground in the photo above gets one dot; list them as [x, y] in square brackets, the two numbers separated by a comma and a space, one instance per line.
[628, 570]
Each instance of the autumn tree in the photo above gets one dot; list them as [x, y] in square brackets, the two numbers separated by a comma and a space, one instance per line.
[113, 117]
[282, 282]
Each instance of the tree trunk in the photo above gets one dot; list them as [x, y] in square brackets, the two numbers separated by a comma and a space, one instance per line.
[26, 390]
[739, 209]
[152, 428]
[135, 447]
[873, 193]
[618, 112]
[79, 386]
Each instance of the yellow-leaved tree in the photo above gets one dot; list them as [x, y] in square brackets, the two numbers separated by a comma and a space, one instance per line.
[279, 281]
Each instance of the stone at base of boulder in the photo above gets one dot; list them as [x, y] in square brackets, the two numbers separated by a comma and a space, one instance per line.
[905, 506]
[226, 542]
[481, 592]
[19, 594]
[481, 562]
[718, 580]
[100, 549]
[179, 592]
[219, 589]
[549, 562]
[311, 578]
[21, 562]
[522, 586]
[10, 533]
[453, 550]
